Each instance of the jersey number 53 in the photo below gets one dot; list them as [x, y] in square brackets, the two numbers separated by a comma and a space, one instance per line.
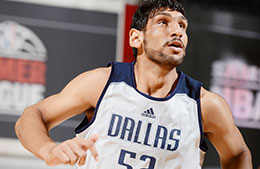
[123, 154]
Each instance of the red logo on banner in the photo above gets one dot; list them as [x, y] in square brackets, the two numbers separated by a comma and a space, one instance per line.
[22, 68]
[23, 71]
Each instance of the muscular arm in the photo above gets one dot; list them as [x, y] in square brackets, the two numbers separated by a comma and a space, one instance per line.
[219, 127]
[79, 95]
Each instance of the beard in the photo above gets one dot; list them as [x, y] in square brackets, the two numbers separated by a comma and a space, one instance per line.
[168, 61]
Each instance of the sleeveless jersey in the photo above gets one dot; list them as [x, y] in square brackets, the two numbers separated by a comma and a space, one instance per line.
[137, 131]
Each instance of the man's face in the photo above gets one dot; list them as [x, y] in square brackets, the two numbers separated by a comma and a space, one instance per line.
[165, 38]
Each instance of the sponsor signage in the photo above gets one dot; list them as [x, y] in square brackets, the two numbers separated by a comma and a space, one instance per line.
[239, 83]
[22, 68]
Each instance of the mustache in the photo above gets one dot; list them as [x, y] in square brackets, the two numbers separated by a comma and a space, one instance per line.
[174, 39]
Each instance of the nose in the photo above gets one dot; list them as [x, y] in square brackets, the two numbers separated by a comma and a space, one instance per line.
[176, 30]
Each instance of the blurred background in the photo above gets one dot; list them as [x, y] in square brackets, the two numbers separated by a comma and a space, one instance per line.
[45, 43]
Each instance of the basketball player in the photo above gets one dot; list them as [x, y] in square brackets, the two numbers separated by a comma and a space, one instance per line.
[139, 115]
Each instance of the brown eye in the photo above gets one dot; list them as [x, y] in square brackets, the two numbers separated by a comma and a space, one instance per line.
[182, 25]
[162, 22]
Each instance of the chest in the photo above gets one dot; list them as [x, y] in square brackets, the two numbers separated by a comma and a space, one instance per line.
[129, 116]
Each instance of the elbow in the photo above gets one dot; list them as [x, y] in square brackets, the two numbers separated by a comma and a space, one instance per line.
[243, 160]
[23, 121]
[18, 124]
[17, 127]
[247, 156]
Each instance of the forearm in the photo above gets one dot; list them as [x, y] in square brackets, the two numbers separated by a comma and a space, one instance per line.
[32, 132]
[242, 161]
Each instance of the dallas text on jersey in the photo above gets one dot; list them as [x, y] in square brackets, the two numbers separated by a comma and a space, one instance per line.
[127, 128]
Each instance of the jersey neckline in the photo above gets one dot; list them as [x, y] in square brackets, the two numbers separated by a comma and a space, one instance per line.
[152, 97]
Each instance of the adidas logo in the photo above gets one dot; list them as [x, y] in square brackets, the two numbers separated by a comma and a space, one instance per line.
[149, 113]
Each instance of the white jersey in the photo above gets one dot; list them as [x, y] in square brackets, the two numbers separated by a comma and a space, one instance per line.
[137, 131]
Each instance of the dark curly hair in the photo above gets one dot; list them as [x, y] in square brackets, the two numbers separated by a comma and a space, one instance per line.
[147, 9]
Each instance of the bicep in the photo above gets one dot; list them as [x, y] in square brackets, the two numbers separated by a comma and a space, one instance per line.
[220, 127]
[228, 143]
[58, 108]
[78, 96]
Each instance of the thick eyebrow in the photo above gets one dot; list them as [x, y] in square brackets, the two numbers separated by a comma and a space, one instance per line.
[168, 15]
[184, 18]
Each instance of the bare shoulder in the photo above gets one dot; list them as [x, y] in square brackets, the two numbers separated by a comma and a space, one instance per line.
[215, 111]
[88, 85]
[91, 77]
[211, 100]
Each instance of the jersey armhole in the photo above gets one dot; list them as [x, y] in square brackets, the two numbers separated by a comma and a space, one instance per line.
[203, 145]
[85, 122]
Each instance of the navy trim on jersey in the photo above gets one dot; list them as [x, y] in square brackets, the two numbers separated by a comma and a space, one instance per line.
[122, 73]
[151, 97]
[203, 145]
[82, 126]
[192, 88]
[85, 123]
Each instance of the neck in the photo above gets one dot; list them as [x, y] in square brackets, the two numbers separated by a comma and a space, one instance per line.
[154, 79]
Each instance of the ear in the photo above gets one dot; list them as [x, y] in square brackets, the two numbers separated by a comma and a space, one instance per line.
[135, 38]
